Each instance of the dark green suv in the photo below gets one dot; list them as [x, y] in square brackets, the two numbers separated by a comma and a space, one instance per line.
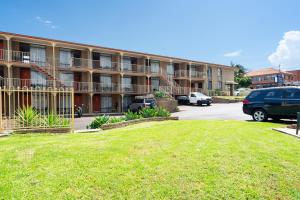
[276, 103]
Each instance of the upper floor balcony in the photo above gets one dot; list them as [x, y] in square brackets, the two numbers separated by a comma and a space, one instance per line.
[106, 66]
[197, 74]
[182, 74]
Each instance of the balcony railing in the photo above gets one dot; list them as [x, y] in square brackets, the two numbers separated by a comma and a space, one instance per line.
[106, 88]
[73, 62]
[132, 88]
[197, 74]
[111, 66]
[28, 58]
[133, 68]
[181, 90]
[181, 74]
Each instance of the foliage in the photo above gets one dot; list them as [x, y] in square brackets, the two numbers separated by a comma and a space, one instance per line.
[99, 121]
[54, 120]
[162, 112]
[240, 76]
[159, 94]
[27, 116]
[148, 112]
[116, 119]
[218, 92]
[132, 115]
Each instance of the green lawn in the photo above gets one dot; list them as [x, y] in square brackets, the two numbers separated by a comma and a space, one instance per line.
[158, 160]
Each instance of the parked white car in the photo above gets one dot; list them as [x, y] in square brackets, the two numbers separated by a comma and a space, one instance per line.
[199, 99]
[242, 92]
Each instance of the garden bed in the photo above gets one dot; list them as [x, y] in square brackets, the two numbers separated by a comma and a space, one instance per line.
[136, 121]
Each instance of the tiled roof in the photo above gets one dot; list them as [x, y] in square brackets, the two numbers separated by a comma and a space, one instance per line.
[266, 71]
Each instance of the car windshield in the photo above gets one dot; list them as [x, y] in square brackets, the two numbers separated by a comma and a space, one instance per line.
[201, 95]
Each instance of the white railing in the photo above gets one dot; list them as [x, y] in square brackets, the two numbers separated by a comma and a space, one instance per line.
[73, 62]
[27, 58]
[182, 74]
[3, 55]
[112, 66]
[134, 68]
[197, 74]
[133, 88]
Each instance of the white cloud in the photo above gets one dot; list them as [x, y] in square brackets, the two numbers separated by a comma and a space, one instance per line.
[47, 23]
[287, 53]
[233, 54]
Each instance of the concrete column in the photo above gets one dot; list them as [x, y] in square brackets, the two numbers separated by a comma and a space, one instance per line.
[90, 58]
[9, 53]
[190, 76]
[90, 81]
[122, 101]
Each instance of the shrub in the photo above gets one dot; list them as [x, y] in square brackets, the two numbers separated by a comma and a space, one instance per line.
[27, 116]
[132, 115]
[54, 120]
[159, 94]
[99, 121]
[116, 119]
[162, 112]
[148, 112]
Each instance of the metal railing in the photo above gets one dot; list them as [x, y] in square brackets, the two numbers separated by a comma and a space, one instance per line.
[113, 66]
[181, 74]
[197, 74]
[106, 88]
[3, 55]
[73, 62]
[28, 108]
[133, 68]
[133, 88]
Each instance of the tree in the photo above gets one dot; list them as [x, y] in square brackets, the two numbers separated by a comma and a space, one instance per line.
[240, 76]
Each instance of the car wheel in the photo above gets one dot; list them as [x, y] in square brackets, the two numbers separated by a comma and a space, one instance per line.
[199, 103]
[259, 115]
[208, 104]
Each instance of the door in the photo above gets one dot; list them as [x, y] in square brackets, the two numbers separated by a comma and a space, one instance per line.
[96, 103]
[291, 102]
[273, 102]
[193, 98]
[77, 100]
[25, 76]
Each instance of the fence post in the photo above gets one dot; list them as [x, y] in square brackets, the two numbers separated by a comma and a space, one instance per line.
[298, 122]
[72, 110]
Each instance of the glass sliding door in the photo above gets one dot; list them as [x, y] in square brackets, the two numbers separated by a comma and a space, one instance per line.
[38, 55]
[106, 83]
[155, 84]
[154, 66]
[106, 104]
[38, 79]
[127, 84]
[66, 79]
[105, 61]
[127, 66]
[65, 58]
[170, 70]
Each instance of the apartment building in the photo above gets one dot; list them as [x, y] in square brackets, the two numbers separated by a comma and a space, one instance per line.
[105, 80]
[269, 77]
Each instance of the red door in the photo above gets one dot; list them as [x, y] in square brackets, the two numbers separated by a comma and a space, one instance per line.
[77, 100]
[25, 77]
[96, 103]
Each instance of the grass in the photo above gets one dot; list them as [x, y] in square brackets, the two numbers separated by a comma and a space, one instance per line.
[232, 97]
[157, 160]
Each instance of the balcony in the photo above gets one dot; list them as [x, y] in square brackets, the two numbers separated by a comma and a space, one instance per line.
[106, 88]
[134, 89]
[3, 55]
[73, 63]
[197, 74]
[133, 68]
[106, 67]
[181, 90]
[182, 74]
[27, 58]
[28, 83]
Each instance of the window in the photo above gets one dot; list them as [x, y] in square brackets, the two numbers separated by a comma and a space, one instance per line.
[106, 104]
[209, 73]
[127, 83]
[292, 94]
[220, 85]
[170, 69]
[193, 95]
[127, 66]
[65, 58]
[66, 79]
[274, 94]
[127, 100]
[209, 85]
[38, 79]
[38, 55]
[105, 61]
[154, 66]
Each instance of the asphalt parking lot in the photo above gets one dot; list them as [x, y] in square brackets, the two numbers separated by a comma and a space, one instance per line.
[222, 111]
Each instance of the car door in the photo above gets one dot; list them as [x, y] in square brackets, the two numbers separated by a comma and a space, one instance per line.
[193, 98]
[273, 102]
[292, 102]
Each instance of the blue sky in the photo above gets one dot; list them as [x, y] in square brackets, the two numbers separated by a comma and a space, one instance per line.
[245, 32]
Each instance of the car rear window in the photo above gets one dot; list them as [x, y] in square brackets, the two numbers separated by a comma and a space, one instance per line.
[274, 94]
